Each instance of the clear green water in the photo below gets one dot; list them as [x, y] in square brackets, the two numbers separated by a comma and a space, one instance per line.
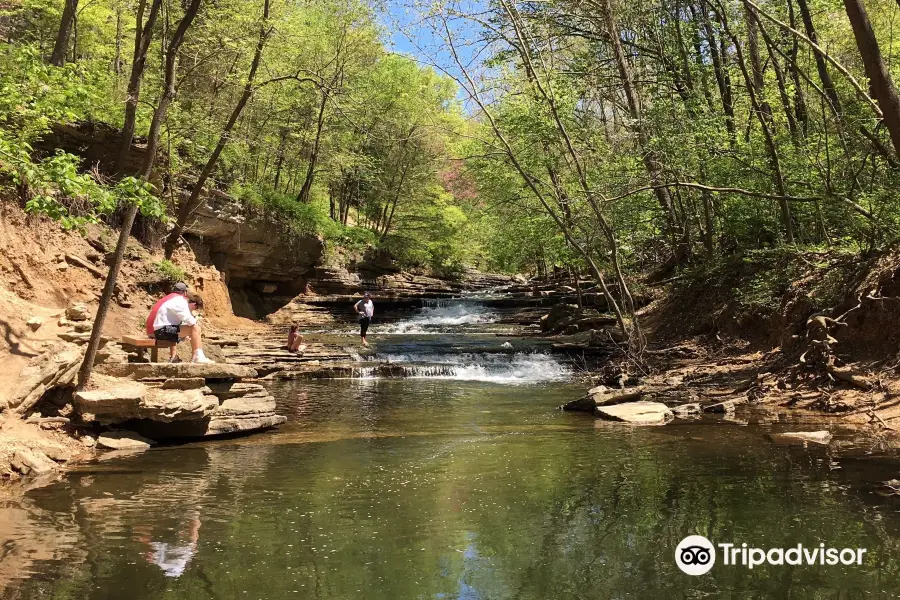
[435, 489]
[461, 483]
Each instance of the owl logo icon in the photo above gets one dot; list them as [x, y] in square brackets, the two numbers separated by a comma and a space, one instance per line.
[695, 555]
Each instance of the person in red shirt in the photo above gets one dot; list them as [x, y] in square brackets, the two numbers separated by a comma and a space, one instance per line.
[172, 319]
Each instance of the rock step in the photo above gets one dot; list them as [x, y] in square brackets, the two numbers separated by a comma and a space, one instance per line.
[177, 371]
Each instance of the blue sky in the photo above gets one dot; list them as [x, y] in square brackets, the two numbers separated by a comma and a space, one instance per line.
[397, 15]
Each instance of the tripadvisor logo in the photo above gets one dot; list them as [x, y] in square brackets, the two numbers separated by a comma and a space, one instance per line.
[696, 555]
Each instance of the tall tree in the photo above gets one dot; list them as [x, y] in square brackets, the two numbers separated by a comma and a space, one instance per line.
[187, 208]
[159, 116]
[61, 46]
[879, 78]
[143, 36]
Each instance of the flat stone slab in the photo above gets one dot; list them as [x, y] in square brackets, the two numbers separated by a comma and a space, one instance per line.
[636, 413]
[123, 399]
[177, 371]
[799, 438]
[226, 390]
[129, 400]
[124, 440]
[216, 425]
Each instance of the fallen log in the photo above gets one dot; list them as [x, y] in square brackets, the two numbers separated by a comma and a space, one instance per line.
[847, 375]
[80, 262]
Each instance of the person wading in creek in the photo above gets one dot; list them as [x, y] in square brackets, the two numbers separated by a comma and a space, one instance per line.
[172, 319]
[365, 309]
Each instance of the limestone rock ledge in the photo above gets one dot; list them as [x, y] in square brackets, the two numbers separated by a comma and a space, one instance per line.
[180, 401]
[164, 371]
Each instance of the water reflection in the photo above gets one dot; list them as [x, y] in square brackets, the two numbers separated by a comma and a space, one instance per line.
[447, 490]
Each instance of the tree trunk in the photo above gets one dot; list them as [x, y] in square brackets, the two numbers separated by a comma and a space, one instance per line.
[61, 46]
[771, 148]
[782, 85]
[159, 116]
[162, 109]
[187, 208]
[800, 109]
[87, 365]
[879, 79]
[306, 189]
[821, 66]
[699, 59]
[723, 81]
[279, 161]
[143, 36]
[117, 61]
[390, 218]
[649, 158]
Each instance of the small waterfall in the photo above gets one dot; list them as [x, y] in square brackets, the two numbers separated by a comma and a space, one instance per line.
[519, 368]
[439, 315]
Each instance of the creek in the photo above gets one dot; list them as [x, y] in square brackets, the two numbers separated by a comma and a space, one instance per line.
[457, 479]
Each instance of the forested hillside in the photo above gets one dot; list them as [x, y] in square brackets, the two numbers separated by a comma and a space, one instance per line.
[297, 109]
[609, 139]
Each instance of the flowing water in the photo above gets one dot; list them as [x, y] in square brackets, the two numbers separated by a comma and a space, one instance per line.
[462, 482]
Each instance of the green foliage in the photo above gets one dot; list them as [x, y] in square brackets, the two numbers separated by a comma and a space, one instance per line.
[170, 272]
[302, 219]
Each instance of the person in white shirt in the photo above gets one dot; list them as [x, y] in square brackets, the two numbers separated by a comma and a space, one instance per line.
[172, 319]
[365, 309]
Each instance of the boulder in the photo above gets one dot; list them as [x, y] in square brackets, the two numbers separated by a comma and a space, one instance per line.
[220, 406]
[124, 440]
[636, 413]
[801, 438]
[55, 368]
[54, 451]
[224, 426]
[83, 327]
[227, 390]
[163, 371]
[725, 406]
[167, 406]
[32, 462]
[34, 323]
[239, 408]
[77, 312]
[550, 321]
[603, 396]
[74, 337]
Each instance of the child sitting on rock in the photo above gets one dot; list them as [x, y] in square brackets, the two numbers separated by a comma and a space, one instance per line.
[295, 340]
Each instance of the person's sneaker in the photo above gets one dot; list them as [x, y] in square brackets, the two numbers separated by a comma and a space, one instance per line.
[200, 357]
[175, 359]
